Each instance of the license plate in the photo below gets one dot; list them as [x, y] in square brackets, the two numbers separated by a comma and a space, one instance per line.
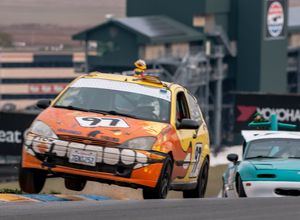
[83, 157]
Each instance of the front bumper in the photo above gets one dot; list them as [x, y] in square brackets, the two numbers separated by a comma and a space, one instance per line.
[271, 188]
[133, 167]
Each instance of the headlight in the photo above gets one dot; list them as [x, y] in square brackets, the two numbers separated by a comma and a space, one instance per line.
[40, 128]
[142, 143]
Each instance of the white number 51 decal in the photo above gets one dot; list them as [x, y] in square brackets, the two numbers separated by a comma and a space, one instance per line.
[93, 122]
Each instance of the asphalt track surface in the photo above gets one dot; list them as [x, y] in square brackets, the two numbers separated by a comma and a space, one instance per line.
[206, 209]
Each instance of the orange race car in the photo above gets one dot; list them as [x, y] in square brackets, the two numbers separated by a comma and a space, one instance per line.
[132, 131]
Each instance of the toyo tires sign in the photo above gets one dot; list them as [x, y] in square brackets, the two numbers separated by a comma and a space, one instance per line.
[286, 107]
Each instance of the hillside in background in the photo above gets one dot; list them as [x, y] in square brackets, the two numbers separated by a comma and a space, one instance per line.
[59, 12]
[64, 12]
[52, 22]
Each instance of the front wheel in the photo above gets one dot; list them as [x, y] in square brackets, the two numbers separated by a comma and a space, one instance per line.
[199, 191]
[224, 193]
[32, 180]
[240, 187]
[163, 185]
[75, 184]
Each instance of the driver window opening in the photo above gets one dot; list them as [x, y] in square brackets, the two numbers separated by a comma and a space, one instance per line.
[181, 107]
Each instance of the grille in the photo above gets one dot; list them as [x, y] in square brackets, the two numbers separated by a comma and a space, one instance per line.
[89, 141]
[266, 175]
[288, 192]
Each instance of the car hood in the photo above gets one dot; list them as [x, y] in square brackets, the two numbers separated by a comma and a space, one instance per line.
[113, 128]
[276, 164]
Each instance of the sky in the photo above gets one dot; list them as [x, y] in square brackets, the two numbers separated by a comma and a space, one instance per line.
[62, 12]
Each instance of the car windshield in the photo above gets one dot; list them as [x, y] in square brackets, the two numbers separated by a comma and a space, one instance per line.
[117, 98]
[273, 148]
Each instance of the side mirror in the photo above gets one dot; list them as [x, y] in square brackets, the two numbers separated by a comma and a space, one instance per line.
[188, 124]
[43, 104]
[233, 158]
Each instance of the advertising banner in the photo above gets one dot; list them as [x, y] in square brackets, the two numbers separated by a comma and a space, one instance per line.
[12, 129]
[287, 108]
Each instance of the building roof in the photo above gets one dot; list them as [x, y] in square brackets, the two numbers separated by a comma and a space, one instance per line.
[294, 19]
[152, 29]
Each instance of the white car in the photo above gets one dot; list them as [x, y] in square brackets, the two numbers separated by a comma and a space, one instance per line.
[270, 166]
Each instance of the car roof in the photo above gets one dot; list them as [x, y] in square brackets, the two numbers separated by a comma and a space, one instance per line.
[251, 135]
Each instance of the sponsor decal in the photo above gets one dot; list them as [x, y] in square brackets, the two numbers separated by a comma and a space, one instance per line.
[93, 133]
[123, 87]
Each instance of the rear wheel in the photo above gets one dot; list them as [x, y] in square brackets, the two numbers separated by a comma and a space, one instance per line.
[240, 187]
[75, 184]
[163, 185]
[32, 180]
[199, 191]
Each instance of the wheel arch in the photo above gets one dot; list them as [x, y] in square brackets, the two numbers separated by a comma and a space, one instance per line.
[208, 159]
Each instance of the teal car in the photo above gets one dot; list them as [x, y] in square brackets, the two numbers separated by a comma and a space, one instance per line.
[270, 166]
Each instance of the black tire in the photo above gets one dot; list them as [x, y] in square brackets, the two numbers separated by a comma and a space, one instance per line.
[75, 184]
[240, 188]
[199, 191]
[32, 180]
[163, 185]
[224, 194]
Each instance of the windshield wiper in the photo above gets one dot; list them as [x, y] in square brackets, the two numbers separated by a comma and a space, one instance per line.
[111, 113]
[261, 156]
[70, 107]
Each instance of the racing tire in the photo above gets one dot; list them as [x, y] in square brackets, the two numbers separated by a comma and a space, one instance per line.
[162, 188]
[75, 184]
[199, 191]
[240, 188]
[32, 180]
